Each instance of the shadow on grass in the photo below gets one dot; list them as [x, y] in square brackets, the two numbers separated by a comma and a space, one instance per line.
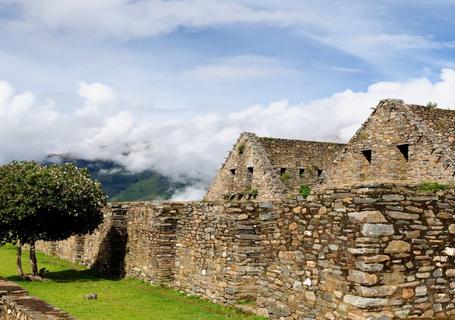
[72, 275]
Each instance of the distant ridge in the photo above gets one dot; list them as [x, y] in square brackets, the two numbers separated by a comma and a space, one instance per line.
[119, 183]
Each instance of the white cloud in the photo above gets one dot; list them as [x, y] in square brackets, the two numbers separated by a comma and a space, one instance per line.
[96, 95]
[189, 193]
[192, 148]
[362, 29]
[242, 67]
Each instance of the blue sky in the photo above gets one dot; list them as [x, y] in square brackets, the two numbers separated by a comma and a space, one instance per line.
[149, 78]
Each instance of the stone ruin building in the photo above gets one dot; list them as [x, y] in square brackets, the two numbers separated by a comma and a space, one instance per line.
[367, 243]
[399, 143]
[263, 168]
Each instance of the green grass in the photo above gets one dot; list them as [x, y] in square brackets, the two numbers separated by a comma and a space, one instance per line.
[431, 187]
[117, 299]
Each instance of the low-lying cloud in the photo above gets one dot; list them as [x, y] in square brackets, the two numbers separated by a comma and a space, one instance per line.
[103, 127]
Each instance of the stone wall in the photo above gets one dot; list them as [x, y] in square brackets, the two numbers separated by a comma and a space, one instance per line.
[218, 251]
[274, 168]
[16, 304]
[235, 181]
[360, 253]
[394, 124]
[344, 253]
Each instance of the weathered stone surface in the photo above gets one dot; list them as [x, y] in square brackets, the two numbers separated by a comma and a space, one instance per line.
[375, 291]
[393, 197]
[452, 228]
[362, 277]
[397, 246]
[402, 215]
[377, 230]
[367, 217]
[362, 303]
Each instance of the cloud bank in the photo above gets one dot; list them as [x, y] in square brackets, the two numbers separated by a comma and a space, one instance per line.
[104, 127]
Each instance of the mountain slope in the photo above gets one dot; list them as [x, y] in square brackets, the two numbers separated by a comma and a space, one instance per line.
[121, 184]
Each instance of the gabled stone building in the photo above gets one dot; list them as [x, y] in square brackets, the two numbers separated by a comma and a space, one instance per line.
[398, 143]
[265, 168]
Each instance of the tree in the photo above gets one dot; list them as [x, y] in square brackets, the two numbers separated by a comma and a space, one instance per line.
[48, 203]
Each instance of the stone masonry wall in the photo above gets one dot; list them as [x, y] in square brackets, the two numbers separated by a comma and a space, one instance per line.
[360, 253]
[218, 252]
[391, 124]
[357, 252]
[16, 304]
[235, 181]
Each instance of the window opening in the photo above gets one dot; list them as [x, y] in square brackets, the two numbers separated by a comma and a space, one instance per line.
[404, 149]
[367, 155]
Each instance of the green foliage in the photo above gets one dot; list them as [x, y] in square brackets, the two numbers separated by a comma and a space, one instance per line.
[253, 192]
[432, 105]
[304, 190]
[117, 299]
[241, 149]
[285, 176]
[431, 187]
[47, 202]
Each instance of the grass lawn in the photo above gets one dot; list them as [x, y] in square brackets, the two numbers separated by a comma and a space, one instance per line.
[123, 299]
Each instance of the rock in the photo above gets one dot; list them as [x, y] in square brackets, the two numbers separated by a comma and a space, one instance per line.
[362, 303]
[402, 216]
[421, 291]
[450, 273]
[392, 197]
[376, 230]
[397, 246]
[449, 251]
[378, 291]
[412, 234]
[307, 282]
[452, 228]
[309, 295]
[407, 293]
[362, 277]
[370, 267]
[366, 216]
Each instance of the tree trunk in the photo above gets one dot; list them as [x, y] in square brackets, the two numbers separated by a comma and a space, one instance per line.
[20, 272]
[33, 262]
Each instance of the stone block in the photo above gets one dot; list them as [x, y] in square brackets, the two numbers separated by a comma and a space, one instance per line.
[363, 303]
[397, 246]
[377, 230]
[362, 277]
[366, 217]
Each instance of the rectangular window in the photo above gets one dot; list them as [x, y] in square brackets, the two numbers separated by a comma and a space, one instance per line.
[367, 155]
[404, 149]
[282, 170]
[232, 172]
[301, 172]
[250, 170]
[319, 172]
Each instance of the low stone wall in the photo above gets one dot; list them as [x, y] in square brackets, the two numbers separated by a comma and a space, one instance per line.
[16, 304]
[346, 253]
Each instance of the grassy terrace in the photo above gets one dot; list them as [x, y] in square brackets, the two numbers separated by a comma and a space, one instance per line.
[117, 299]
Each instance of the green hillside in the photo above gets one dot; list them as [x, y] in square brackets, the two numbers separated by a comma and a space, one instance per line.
[151, 188]
[121, 184]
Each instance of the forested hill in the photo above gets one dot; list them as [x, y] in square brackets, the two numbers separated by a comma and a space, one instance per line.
[121, 184]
